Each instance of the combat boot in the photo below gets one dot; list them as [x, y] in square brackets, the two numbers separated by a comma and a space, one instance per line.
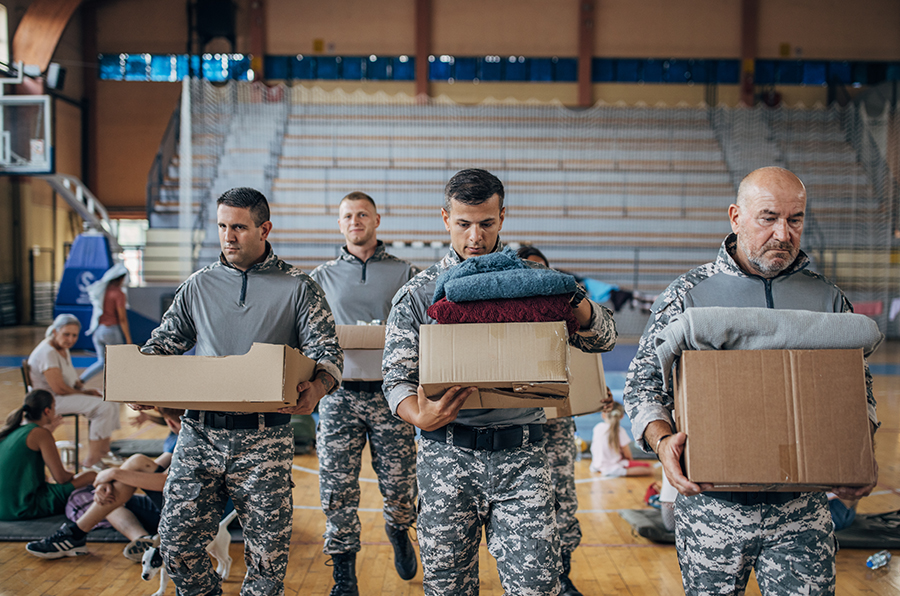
[567, 587]
[344, 575]
[404, 555]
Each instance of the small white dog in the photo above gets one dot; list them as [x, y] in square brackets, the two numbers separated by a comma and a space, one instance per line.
[152, 563]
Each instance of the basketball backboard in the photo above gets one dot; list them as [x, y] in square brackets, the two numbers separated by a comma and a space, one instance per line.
[25, 136]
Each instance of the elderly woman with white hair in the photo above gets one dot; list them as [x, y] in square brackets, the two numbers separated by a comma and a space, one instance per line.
[51, 369]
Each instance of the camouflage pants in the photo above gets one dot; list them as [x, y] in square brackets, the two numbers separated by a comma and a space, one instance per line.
[346, 419]
[559, 434]
[253, 467]
[506, 491]
[791, 546]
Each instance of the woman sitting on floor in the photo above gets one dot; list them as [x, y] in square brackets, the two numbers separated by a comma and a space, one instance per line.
[135, 516]
[51, 369]
[26, 446]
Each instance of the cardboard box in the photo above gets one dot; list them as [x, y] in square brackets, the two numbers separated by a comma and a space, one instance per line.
[262, 380]
[774, 419]
[363, 347]
[514, 365]
[587, 386]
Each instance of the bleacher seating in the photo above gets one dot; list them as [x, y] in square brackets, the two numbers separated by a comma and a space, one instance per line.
[633, 196]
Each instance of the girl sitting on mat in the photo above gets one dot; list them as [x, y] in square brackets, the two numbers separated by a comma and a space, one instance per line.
[26, 446]
[610, 454]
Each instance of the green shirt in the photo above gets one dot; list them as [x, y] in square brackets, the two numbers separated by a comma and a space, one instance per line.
[24, 490]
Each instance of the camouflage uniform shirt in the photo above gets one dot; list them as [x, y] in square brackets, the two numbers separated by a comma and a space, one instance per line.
[224, 310]
[401, 345]
[721, 283]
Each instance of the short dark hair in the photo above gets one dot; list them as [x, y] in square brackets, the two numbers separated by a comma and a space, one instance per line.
[529, 251]
[359, 196]
[247, 198]
[472, 187]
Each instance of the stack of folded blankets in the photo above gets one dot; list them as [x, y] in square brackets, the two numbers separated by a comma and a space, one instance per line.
[501, 288]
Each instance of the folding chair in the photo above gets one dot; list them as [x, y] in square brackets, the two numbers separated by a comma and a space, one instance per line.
[26, 378]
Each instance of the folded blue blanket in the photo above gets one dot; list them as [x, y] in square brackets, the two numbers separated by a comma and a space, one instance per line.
[502, 260]
[500, 275]
[514, 283]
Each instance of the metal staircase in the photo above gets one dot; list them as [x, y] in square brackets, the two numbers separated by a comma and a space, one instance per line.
[83, 201]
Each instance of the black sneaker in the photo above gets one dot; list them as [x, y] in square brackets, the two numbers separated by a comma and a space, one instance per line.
[60, 544]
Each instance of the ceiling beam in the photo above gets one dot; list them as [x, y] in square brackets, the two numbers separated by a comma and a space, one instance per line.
[40, 29]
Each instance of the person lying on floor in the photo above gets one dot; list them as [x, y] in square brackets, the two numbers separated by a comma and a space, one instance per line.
[26, 447]
[135, 516]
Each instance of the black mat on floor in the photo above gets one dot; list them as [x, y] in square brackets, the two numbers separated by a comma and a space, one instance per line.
[638, 453]
[873, 531]
[35, 529]
[648, 524]
[128, 447]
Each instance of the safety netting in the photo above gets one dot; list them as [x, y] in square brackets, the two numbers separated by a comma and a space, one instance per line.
[631, 195]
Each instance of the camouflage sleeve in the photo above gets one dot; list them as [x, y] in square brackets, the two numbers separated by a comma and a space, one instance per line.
[316, 331]
[601, 335]
[644, 396]
[176, 333]
[845, 306]
[400, 365]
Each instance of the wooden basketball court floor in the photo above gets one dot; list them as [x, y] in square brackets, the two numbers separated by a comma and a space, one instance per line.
[610, 560]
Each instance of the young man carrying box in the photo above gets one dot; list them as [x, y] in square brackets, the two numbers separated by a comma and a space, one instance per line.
[249, 295]
[359, 286]
[477, 467]
[721, 536]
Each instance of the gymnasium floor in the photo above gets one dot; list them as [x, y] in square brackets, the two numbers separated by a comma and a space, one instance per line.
[610, 560]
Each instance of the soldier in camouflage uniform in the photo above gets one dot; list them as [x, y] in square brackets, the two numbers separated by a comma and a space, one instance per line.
[359, 286]
[477, 467]
[720, 536]
[561, 450]
[248, 296]
[561, 453]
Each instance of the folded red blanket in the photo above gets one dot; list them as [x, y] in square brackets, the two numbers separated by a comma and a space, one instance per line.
[535, 309]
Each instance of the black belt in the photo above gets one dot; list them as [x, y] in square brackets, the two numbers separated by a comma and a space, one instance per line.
[754, 498]
[367, 386]
[487, 438]
[238, 421]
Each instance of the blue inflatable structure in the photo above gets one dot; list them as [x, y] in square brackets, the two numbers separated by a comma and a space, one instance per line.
[89, 258]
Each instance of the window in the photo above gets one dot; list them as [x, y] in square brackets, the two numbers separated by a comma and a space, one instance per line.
[4, 35]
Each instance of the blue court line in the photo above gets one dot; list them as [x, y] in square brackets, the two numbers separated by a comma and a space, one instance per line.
[16, 361]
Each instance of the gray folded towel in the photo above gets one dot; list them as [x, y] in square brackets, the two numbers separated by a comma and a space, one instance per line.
[724, 328]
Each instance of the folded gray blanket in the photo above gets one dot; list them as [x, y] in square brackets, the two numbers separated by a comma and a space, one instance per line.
[500, 275]
[722, 328]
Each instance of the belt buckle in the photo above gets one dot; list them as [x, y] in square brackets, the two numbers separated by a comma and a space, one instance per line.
[484, 438]
[220, 420]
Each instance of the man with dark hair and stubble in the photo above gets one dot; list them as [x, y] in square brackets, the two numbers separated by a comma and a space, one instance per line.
[249, 295]
[503, 485]
[359, 285]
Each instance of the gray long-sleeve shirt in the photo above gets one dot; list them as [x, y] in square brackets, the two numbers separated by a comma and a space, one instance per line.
[224, 310]
[401, 346]
[362, 291]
